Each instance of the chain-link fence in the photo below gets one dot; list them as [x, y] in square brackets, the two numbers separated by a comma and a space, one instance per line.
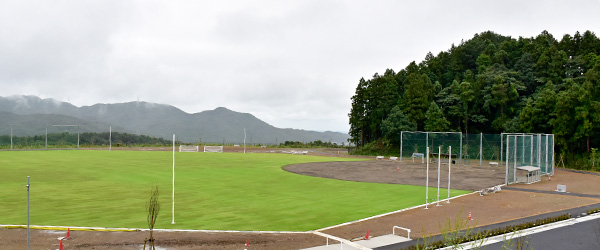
[508, 150]
[527, 150]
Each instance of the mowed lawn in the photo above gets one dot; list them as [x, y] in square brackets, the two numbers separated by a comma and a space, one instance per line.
[216, 191]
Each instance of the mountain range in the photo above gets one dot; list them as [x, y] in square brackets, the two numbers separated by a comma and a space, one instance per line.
[31, 115]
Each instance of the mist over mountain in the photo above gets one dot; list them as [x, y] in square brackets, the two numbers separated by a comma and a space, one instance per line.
[30, 115]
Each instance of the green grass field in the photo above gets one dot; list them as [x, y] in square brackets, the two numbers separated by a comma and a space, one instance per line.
[227, 191]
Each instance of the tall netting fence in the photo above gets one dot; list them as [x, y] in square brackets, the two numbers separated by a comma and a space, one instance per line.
[527, 151]
[482, 148]
[508, 150]
[415, 143]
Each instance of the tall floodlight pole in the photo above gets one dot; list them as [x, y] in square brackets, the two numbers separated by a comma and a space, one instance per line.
[27, 212]
[109, 138]
[244, 140]
[173, 195]
[11, 135]
[77, 136]
[46, 147]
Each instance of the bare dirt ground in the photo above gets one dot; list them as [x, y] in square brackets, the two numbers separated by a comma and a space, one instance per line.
[471, 178]
[490, 209]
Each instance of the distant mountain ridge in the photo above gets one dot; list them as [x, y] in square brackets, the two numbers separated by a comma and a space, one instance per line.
[30, 114]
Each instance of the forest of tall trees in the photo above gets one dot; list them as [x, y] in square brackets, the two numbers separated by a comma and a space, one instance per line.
[489, 84]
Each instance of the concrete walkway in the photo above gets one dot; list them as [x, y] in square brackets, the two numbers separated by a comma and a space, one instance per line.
[374, 242]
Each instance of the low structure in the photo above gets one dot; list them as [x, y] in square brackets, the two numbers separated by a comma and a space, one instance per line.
[528, 174]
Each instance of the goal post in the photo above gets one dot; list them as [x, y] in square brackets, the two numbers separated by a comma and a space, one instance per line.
[188, 148]
[213, 149]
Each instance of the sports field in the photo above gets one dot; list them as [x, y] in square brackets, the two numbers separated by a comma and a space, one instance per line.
[226, 191]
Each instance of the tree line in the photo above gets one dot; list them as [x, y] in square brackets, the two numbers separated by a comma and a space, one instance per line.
[489, 84]
[92, 139]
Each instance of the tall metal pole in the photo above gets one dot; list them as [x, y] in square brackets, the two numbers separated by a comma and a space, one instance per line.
[427, 142]
[449, 169]
[173, 195]
[109, 138]
[427, 180]
[502, 151]
[77, 136]
[28, 212]
[515, 164]
[480, 148]
[401, 134]
[507, 156]
[244, 140]
[461, 147]
[439, 165]
[11, 135]
[46, 136]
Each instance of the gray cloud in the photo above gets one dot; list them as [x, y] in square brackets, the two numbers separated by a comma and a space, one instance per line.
[291, 63]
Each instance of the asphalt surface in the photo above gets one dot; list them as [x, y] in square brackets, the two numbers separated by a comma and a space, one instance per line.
[583, 235]
[575, 212]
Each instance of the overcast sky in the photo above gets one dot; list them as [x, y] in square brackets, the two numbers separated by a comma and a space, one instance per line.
[293, 64]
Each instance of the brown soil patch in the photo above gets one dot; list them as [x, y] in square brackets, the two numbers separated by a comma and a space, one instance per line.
[385, 171]
[579, 183]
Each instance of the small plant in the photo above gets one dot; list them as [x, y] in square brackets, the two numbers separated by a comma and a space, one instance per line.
[593, 211]
[153, 207]
[453, 237]
[516, 241]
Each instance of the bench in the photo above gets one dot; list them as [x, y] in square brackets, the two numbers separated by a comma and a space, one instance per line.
[379, 157]
[493, 164]
[393, 158]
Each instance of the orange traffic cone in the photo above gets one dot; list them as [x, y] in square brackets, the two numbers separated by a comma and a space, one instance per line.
[247, 243]
[470, 218]
[367, 237]
[68, 234]
[61, 246]
[548, 177]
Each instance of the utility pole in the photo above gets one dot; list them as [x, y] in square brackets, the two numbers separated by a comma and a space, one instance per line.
[27, 212]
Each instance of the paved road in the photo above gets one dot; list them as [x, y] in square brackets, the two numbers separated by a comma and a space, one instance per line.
[583, 235]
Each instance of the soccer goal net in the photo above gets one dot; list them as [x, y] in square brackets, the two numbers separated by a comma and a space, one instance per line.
[188, 148]
[214, 149]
